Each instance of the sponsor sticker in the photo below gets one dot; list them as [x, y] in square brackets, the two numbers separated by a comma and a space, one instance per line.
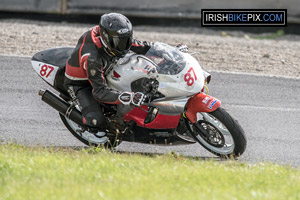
[205, 100]
[212, 103]
[148, 68]
[115, 76]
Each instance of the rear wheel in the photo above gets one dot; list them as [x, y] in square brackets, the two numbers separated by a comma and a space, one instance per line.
[219, 133]
[109, 141]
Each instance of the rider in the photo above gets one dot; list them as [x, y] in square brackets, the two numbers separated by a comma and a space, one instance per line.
[96, 52]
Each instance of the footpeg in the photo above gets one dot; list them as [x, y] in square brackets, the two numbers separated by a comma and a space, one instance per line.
[100, 134]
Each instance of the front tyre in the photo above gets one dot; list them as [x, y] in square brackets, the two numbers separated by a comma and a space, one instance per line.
[219, 133]
[89, 138]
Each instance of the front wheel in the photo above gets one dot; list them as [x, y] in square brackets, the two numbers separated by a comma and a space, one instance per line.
[219, 133]
[88, 138]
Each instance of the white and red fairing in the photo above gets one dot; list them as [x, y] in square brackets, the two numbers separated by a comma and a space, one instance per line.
[45, 71]
[181, 80]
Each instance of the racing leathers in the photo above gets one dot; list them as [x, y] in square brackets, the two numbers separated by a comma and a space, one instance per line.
[85, 75]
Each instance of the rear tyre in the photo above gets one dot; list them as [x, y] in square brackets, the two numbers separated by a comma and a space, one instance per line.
[224, 136]
[110, 141]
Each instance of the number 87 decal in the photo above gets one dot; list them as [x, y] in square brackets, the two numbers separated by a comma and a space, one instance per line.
[188, 77]
[44, 70]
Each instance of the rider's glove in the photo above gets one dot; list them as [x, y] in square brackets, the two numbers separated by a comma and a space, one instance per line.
[183, 48]
[125, 98]
[136, 99]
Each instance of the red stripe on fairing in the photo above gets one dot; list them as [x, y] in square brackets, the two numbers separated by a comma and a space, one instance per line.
[96, 31]
[137, 115]
[160, 122]
[164, 122]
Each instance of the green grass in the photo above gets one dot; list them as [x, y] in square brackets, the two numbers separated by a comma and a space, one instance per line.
[270, 36]
[40, 173]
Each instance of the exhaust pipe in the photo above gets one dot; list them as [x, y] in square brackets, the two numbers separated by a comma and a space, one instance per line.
[61, 106]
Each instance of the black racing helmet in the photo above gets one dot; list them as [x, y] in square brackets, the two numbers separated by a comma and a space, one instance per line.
[116, 33]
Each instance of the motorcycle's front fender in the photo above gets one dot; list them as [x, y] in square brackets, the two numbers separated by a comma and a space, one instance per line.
[200, 103]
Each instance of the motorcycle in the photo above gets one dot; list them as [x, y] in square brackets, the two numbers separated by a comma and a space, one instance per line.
[177, 110]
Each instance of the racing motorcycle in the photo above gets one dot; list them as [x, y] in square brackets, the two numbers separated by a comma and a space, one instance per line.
[178, 109]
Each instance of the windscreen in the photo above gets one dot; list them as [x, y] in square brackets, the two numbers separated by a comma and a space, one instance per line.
[169, 60]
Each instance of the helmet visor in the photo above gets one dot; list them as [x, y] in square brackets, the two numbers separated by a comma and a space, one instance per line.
[121, 43]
